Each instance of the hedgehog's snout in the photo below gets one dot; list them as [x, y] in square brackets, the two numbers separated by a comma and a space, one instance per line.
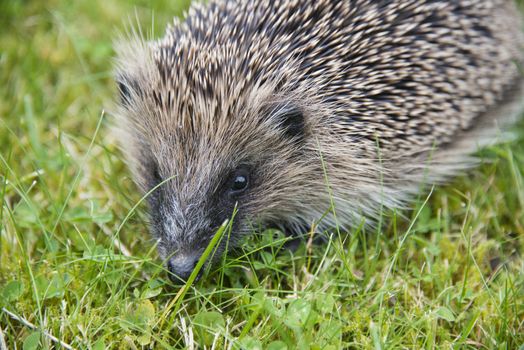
[182, 248]
[181, 267]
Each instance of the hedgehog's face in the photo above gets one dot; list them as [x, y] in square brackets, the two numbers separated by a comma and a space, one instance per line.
[202, 165]
[236, 172]
[215, 145]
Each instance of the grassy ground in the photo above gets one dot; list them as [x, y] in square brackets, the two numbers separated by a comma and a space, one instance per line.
[77, 264]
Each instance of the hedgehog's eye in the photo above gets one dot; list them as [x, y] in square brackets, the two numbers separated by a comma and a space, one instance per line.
[239, 181]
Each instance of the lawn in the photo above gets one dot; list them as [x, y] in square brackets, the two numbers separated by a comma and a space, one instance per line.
[78, 268]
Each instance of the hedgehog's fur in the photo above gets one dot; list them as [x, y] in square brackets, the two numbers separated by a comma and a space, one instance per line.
[324, 102]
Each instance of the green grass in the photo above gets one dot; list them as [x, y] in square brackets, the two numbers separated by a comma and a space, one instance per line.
[77, 262]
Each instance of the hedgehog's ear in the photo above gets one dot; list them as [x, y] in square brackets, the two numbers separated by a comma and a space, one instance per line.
[291, 120]
[127, 89]
[124, 93]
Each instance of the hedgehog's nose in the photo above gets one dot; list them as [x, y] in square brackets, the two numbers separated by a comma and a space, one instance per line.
[181, 267]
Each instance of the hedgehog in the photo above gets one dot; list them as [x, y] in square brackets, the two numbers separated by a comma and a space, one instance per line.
[291, 113]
